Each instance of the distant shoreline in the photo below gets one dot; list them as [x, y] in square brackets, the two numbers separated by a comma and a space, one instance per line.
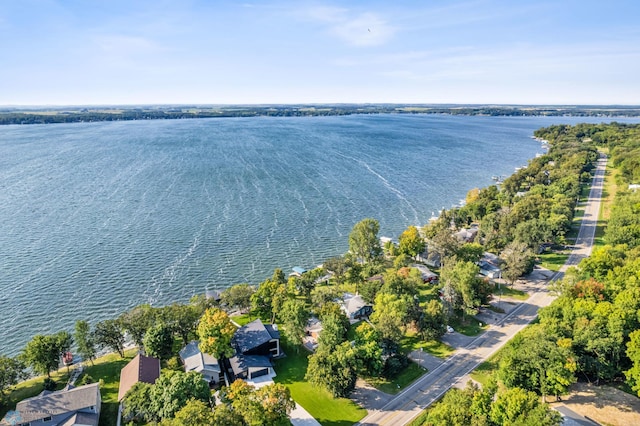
[81, 114]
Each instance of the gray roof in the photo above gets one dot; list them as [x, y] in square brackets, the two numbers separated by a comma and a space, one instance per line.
[242, 363]
[190, 350]
[60, 402]
[353, 303]
[196, 360]
[81, 419]
[253, 335]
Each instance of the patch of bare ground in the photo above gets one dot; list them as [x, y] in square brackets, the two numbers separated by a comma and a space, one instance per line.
[603, 404]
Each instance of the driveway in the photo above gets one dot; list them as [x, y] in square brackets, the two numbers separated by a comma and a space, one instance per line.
[369, 397]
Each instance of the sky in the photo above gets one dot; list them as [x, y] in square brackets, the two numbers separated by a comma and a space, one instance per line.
[95, 52]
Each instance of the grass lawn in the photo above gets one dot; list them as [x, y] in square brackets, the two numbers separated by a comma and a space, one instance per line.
[469, 327]
[243, 319]
[107, 370]
[32, 387]
[508, 291]
[398, 383]
[318, 402]
[484, 371]
[553, 261]
[412, 341]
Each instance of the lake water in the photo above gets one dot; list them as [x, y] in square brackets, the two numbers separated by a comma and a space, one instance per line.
[96, 218]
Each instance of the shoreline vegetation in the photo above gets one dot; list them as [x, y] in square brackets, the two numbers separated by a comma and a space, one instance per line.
[77, 114]
[528, 213]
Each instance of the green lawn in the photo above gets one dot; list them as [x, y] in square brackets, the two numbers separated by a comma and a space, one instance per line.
[106, 369]
[243, 319]
[511, 292]
[413, 342]
[553, 261]
[31, 387]
[470, 326]
[318, 402]
[398, 383]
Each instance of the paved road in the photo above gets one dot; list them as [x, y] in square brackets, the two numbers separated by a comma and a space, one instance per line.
[429, 388]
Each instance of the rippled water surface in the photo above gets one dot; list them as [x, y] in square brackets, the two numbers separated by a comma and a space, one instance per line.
[98, 217]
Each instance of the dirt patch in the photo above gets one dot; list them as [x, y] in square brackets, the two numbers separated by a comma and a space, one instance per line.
[604, 404]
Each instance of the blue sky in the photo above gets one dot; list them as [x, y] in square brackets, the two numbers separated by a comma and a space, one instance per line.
[82, 52]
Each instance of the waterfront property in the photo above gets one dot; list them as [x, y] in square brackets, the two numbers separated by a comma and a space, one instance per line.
[205, 364]
[256, 344]
[69, 406]
[141, 368]
[355, 307]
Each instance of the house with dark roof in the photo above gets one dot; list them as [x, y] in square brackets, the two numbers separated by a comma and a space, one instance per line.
[355, 307]
[205, 364]
[256, 338]
[142, 368]
[256, 344]
[67, 407]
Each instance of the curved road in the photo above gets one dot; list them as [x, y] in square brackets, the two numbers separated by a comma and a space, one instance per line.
[429, 388]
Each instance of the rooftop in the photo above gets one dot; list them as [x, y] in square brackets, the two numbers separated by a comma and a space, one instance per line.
[140, 369]
[253, 335]
[67, 400]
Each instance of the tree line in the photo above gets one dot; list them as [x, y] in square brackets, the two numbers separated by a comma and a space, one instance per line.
[83, 114]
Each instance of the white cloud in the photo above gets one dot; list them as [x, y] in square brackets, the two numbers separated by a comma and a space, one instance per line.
[354, 28]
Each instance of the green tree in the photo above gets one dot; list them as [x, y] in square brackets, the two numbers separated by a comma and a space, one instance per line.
[42, 353]
[363, 240]
[389, 315]
[469, 252]
[194, 413]
[84, 340]
[137, 405]
[270, 405]
[334, 331]
[173, 389]
[137, 321]
[158, 342]
[11, 372]
[238, 297]
[109, 334]
[517, 406]
[334, 370]
[262, 299]
[411, 242]
[454, 409]
[431, 321]
[368, 350]
[338, 266]
[294, 316]
[462, 278]
[633, 352]
[182, 319]
[516, 257]
[215, 331]
[276, 403]
[224, 415]
[538, 362]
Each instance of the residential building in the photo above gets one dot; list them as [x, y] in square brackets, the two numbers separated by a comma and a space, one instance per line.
[142, 368]
[67, 407]
[205, 364]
